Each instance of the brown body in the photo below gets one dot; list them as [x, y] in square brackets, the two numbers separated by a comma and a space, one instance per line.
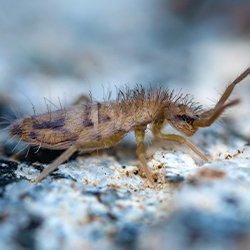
[92, 122]
[93, 125]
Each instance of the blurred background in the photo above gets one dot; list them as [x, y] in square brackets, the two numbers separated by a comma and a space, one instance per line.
[61, 49]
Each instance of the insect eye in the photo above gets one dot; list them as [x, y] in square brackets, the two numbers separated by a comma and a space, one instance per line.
[186, 118]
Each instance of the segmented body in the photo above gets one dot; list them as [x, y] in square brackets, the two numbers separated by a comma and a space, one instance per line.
[93, 121]
[95, 125]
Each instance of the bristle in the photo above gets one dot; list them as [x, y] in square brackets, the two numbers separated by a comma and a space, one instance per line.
[139, 93]
[158, 96]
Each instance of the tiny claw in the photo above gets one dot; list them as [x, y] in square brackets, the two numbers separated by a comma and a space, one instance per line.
[150, 177]
[206, 158]
[145, 172]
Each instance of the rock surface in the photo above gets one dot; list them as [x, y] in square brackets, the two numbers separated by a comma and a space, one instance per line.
[94, 202]
[61, 48]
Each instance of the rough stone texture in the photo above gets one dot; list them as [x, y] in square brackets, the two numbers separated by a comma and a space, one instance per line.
[95, 202]
[100, 201]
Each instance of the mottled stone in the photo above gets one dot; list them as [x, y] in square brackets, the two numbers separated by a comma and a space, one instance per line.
[101, 201]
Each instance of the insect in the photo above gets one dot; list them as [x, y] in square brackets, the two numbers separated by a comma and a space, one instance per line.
[92, 125]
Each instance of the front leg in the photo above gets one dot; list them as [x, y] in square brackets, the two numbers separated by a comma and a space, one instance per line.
[156, 129]
[140, 151]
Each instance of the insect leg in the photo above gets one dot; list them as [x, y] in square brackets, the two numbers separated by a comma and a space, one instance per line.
[157, 126]
[105, 143]
[54, 165]
[182, 140]
[140, 151]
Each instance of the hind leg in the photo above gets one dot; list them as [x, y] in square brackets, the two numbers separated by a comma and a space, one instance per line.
[56, 163]
[91, 146]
